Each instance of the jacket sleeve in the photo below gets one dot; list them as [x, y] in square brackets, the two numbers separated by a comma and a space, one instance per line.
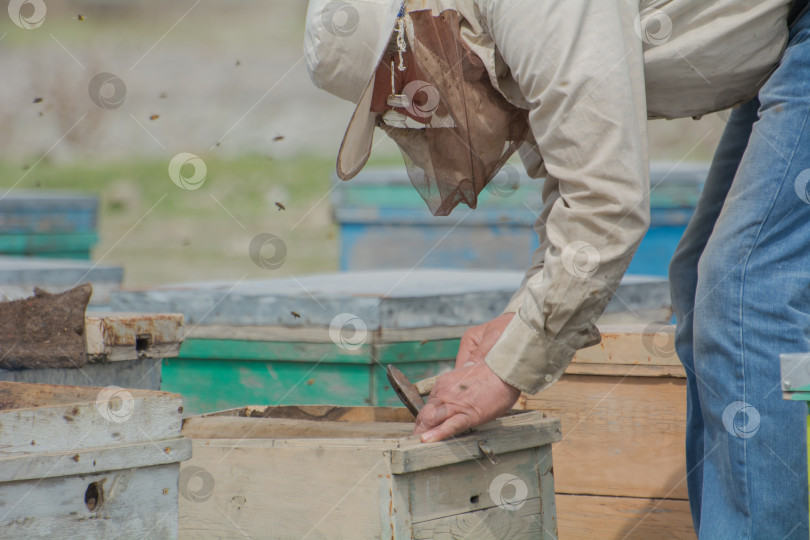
[579, 66]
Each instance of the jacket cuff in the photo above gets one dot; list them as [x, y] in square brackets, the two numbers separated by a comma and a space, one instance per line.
[524, 359]
[515, 302]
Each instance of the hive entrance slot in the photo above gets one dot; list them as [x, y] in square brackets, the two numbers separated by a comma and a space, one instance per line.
[142, 343]
[93, 496]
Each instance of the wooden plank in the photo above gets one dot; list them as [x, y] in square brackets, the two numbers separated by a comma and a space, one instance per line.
[583, 517]
[636, 316]
[113, 337]
[137, 503]
[522, 524]
[621, 370]
[525, 431]
[465, 487]
[93, 460]
[41, 418]
[651, 344]
[622, 436]
[296, 493]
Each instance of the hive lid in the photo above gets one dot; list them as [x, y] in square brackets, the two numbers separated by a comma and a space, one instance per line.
[384, 299]
[19, 275]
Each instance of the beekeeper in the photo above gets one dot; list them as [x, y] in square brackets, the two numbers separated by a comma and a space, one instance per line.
[462, 84]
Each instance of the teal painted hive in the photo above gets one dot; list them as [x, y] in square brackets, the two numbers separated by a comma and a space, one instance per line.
[55, 224]
[245, 346]
[385, 224]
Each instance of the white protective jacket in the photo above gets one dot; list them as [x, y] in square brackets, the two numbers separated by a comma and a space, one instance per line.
[591, 72]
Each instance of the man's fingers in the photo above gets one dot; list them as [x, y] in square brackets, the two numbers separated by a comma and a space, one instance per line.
[431, 415]
[453, 425]
[468, 344]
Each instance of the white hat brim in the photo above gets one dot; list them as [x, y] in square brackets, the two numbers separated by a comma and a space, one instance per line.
[355, 148]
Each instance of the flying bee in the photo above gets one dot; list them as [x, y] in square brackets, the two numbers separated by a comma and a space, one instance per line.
[280, 206]
[295, 314]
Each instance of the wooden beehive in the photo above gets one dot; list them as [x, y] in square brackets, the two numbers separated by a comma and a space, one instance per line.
[621, 468]
[123, 349]
[54, 224]
[356, 472]
[245, 345]
[84, 462]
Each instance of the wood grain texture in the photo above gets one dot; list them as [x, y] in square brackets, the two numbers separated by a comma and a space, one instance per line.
[507, 434]
[136, 504]
[488, 524]
[645, 344]
[464, 487]
[621, 370]
[338, 487]
[583, 517]
[294, 492]
[78, 461]
[622, 436]
[39, 418]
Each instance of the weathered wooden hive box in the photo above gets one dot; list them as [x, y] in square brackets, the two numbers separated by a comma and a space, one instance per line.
[56, 224]
[84, 462]
[358, 472]
[19, 276]
[620, 469]
[123, 349]
[325, 339]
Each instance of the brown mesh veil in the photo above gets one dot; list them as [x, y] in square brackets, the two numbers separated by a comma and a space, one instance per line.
[471, 129]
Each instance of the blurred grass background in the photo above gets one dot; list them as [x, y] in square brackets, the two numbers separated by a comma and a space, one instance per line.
[229, 73]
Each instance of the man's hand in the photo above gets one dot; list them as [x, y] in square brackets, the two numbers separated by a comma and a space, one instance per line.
[477, 341]
[471, 394]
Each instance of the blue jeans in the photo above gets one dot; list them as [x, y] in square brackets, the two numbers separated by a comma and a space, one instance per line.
[740, 282]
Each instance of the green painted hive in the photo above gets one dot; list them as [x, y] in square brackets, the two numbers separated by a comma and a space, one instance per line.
[326, 339]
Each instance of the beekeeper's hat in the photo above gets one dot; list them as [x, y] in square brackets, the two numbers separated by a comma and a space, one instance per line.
[343, 44]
